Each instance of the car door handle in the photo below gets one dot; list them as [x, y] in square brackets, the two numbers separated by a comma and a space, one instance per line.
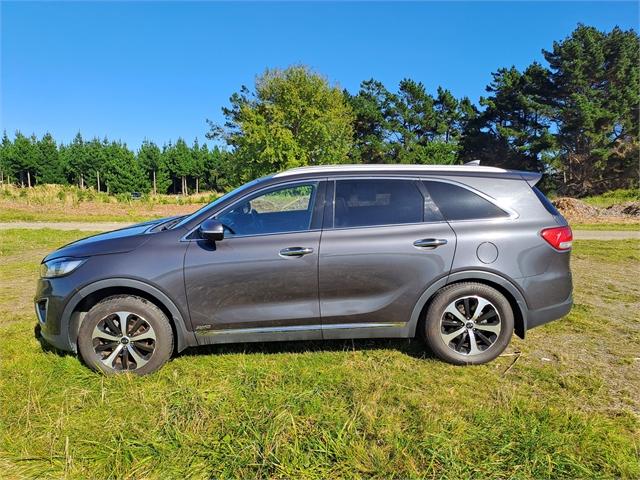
[429, 243]
[295, 251]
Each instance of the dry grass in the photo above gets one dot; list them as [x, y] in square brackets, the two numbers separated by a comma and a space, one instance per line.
[68, 204]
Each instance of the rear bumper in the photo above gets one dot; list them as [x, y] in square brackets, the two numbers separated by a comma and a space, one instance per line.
[541, 316]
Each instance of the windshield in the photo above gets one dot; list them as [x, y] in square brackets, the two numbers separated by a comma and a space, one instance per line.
[216, 202]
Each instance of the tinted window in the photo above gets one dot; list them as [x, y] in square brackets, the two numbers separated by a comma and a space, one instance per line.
[360, 203]
[458, 203]
[286, 209]
[546, 202]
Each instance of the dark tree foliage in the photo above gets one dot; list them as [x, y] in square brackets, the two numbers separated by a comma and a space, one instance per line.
[409, 126]
[513, 129]
[110, 166]
[595, 100]
[576, 120]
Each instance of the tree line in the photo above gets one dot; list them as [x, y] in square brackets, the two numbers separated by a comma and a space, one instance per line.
[110, 166]
[576, 118]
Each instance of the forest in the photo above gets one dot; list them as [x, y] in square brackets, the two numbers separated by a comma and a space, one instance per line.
[574, 117]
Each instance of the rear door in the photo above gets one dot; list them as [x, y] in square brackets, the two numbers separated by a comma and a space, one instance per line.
[384, 242]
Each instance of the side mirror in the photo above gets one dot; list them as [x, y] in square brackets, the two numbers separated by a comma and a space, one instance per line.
[211, 230]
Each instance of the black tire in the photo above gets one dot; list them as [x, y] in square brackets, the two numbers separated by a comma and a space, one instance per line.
[99, 336]
[440, 325]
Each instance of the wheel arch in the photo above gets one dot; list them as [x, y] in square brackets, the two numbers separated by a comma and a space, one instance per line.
[91, 294]
[500, 283]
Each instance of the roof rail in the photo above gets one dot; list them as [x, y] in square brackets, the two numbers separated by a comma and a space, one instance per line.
[389, 167]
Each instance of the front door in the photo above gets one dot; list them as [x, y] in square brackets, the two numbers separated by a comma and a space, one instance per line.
[386, 244]
[263, 275]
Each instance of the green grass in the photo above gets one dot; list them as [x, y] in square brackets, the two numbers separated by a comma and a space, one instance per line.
[626, 227]
[614, 197]
[568, 408]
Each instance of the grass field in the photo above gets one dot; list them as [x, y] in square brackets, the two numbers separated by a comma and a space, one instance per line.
[563, 404]
[626, 227]
[55, 203]
[614, 197]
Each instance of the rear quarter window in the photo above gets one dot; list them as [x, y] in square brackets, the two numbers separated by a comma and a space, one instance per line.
[459, 203]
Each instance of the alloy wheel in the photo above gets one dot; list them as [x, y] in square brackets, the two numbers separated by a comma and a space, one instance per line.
[124, 341]
[470, 325]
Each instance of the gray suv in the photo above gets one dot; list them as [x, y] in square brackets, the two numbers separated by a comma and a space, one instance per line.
[462, 256]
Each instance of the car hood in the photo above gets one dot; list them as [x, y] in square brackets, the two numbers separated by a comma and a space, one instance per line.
[116, 241]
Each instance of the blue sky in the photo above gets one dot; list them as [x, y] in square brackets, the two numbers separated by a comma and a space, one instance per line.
[158, 70]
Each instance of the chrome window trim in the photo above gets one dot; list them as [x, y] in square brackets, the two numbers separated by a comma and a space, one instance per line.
[387, 225]
[297, 328]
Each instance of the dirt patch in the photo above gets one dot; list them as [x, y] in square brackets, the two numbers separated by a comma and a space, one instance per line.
[627, 209]
[577, 211]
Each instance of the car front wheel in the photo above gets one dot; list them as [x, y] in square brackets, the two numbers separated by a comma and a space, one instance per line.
[125, 333]
[468, 323]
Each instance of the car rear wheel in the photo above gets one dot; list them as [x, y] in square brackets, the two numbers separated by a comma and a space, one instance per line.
[468, 323]
[125, 333]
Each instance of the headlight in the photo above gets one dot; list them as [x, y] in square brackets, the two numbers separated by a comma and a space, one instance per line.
[59, 267]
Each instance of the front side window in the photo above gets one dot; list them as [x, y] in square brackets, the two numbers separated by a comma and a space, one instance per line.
[458, 203]
[363, 203]
[280, 210]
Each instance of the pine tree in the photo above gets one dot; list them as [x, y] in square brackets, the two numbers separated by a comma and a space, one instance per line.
[513, 130]
[74, 161]
[596, 99]
[50, 167]
[6, 169]
[151, 161]
[183, 164]
[123, 174]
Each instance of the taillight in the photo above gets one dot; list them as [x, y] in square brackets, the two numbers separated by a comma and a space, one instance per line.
[559, 238]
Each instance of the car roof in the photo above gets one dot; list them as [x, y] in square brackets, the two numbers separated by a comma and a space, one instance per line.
[466, 170]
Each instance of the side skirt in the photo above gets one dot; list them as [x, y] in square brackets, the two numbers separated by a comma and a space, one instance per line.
[304, 332]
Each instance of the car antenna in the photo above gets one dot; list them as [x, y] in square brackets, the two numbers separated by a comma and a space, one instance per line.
[473, 162]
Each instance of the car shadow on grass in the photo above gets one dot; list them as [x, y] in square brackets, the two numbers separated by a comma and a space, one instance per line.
[46, 347]
[411, 347]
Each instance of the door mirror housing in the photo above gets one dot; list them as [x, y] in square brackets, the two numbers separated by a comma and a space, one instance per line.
[211, 230]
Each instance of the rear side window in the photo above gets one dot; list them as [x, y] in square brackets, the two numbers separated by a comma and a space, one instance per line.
[361, 203]
[458, 203]
[546, 202]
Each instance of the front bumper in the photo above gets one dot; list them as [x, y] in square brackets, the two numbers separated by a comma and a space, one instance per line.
[51, 297]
